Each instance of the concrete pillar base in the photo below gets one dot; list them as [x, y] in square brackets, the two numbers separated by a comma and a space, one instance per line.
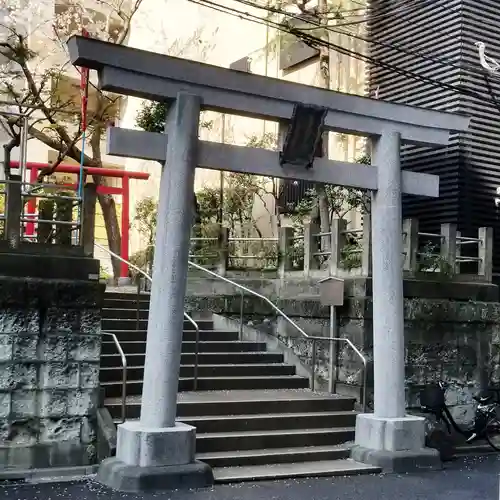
[154, 459]
[394, 444]
[119, 476]
[150, 447]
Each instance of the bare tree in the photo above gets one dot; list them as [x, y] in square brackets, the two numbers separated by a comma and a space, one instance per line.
[38, 79]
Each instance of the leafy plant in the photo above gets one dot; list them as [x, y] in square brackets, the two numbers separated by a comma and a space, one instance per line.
[103, 273]
[142, 259]
[431, 261]
[351, 256]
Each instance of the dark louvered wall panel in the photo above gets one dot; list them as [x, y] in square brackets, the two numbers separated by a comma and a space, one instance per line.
[444, 31]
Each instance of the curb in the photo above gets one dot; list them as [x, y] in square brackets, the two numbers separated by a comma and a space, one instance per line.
[52, 475]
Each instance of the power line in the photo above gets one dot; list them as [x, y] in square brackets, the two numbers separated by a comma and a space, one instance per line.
[403, 6]
[399, 48]
[315, 42]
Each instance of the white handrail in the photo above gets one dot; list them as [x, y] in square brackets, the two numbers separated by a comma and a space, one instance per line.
[251, 292]
[124, 373]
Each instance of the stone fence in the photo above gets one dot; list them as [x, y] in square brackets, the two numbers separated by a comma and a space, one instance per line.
[346, 252]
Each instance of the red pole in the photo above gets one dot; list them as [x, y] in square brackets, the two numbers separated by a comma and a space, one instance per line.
[125, 225]
[30, 226]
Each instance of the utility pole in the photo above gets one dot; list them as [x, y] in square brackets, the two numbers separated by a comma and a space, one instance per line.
[324, 79]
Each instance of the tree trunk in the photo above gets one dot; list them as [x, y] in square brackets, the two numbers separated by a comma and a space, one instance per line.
[107, 202]
[108, 207]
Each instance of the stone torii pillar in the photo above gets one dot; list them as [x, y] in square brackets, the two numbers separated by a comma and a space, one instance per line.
[156, 451]
[389, 438]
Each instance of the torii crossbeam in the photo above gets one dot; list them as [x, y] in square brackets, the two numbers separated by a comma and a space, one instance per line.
[157, 447]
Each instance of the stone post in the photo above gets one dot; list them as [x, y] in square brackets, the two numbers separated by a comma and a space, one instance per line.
[449, 244]
[366, 242]
[157, 449]
[223, 250]
[410, 245]
[337, 243]
[13, 210]
[389, 438]
[285, 242]
[485, 253]
[87, 229]
[310, 246]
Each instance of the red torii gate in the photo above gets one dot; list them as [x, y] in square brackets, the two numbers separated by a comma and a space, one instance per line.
[125, 175]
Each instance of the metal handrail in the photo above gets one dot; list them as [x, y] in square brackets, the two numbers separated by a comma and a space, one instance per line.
[186, 315]
[124, 373]
[356, 350]
[243, 288]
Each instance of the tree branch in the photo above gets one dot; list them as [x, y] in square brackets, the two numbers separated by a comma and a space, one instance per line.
[74, 152]
[128, 22]
[37, 98]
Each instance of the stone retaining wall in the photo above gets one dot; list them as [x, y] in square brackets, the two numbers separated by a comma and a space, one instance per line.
[49, 371]
[455, 340]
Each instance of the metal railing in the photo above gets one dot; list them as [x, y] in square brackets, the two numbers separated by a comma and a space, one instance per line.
[33, 221]
[290, 321]
[124, 373]
[186, 315]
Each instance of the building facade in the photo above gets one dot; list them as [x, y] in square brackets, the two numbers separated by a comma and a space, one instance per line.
[436, 41]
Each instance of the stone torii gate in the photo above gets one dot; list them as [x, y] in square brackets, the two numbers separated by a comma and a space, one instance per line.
[157, 451]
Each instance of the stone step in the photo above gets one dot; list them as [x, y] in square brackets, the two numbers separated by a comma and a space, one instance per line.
[124, 312]
[204, 358]
[126, 295]
[281, 438]
[127, 301]
[134, 387]
[188, 335]
[274, 456]
[268, 472]
[131, 324]
[271, 421]
[139, 347]
[242, 403]
[478, 448]
[240, 370]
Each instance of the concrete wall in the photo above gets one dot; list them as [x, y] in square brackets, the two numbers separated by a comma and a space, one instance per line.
[455, 339]
[49, 371]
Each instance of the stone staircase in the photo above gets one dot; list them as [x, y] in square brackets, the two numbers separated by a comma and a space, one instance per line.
[254, 417]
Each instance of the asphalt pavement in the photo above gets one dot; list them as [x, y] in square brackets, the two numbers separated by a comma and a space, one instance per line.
[466, 479]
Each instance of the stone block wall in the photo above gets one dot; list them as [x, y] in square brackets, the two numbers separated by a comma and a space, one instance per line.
[49, 371]
[454, 340]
